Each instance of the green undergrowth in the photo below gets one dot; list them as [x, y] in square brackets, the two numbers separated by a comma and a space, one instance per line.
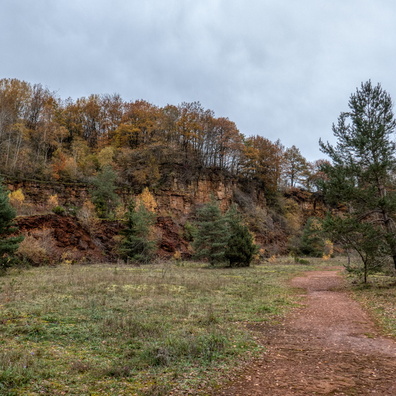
[122, 330]
[379, 297]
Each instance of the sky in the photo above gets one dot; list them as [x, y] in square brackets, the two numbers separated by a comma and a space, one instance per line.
[282, 69]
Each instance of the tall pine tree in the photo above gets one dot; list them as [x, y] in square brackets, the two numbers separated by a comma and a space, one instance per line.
[361, 175]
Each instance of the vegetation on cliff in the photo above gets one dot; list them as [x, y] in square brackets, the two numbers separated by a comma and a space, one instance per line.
[8, 243]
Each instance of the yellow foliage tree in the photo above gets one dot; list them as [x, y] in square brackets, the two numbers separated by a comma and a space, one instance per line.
[147, 199]
[105, 156]
[17, 198]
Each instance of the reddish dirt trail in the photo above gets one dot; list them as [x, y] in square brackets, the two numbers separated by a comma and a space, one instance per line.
[330, 346]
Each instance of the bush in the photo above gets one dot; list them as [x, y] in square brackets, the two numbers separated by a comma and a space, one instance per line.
[59, 210]
[32, 252]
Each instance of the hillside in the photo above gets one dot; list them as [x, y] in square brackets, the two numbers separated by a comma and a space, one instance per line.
[87, 158]
[77, 236]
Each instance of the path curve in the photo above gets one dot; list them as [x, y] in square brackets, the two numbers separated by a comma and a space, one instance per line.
[329, 346]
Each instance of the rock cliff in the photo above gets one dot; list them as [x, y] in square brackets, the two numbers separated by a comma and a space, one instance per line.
[175, 205]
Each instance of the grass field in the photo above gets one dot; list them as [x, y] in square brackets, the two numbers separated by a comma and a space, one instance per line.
[159, 329]
[379, 297]
[122, 330]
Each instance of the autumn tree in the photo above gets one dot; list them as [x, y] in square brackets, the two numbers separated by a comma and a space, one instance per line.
[14, 103]
[139, 125]
[295, 167]
[315, 175]
[223, 144]
[361, 174]
[262, 161]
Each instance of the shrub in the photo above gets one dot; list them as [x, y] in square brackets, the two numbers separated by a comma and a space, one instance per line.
[31, 251]
[59, 210]
[240, 247]
[87, 216]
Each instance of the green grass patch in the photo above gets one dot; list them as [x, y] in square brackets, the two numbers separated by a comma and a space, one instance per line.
[123, 330]
[379, 296]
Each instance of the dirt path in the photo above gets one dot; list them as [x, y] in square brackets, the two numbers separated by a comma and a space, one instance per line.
[328, 347]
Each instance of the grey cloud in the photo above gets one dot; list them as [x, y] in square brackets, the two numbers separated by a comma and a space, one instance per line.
[278, 68]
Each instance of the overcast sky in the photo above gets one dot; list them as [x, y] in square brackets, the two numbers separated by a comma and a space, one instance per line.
[277, 68]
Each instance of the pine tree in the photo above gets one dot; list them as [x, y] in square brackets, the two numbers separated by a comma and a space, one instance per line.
[212, 234]
[361, 175]
[136, 245]
[361, 237]
[312, 242]
[223, 237]
[103, 193]
[240, 246]
[8, 244]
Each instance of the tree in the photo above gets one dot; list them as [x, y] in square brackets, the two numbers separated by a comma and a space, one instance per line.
[312, 242]
[103, 194]
[262, 160]
[361, 237]
[361, 176]
[212, 233]
[136, 245]
[8, 244]
[240, 248]
[222, 237]
[295, 166]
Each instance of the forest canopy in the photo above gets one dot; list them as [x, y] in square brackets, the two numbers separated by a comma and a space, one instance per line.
[45, 137]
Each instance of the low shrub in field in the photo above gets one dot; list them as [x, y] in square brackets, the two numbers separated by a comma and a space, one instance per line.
[31, 251]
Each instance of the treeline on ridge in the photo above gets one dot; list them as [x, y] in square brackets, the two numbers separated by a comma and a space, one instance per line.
[49, 138]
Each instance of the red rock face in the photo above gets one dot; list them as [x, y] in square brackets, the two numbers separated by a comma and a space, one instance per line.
[65, 238]
[176, 202]
[171, 243]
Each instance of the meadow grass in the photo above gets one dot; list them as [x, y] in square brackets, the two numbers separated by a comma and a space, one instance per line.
[379, 297]
[158, 329]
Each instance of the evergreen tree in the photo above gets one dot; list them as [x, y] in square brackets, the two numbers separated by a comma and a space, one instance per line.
[312, 243]
[8, 244]
[103, 193]
[363, 238]
[136, 244]
[240, 246]
[361, 175]
[212, 234]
